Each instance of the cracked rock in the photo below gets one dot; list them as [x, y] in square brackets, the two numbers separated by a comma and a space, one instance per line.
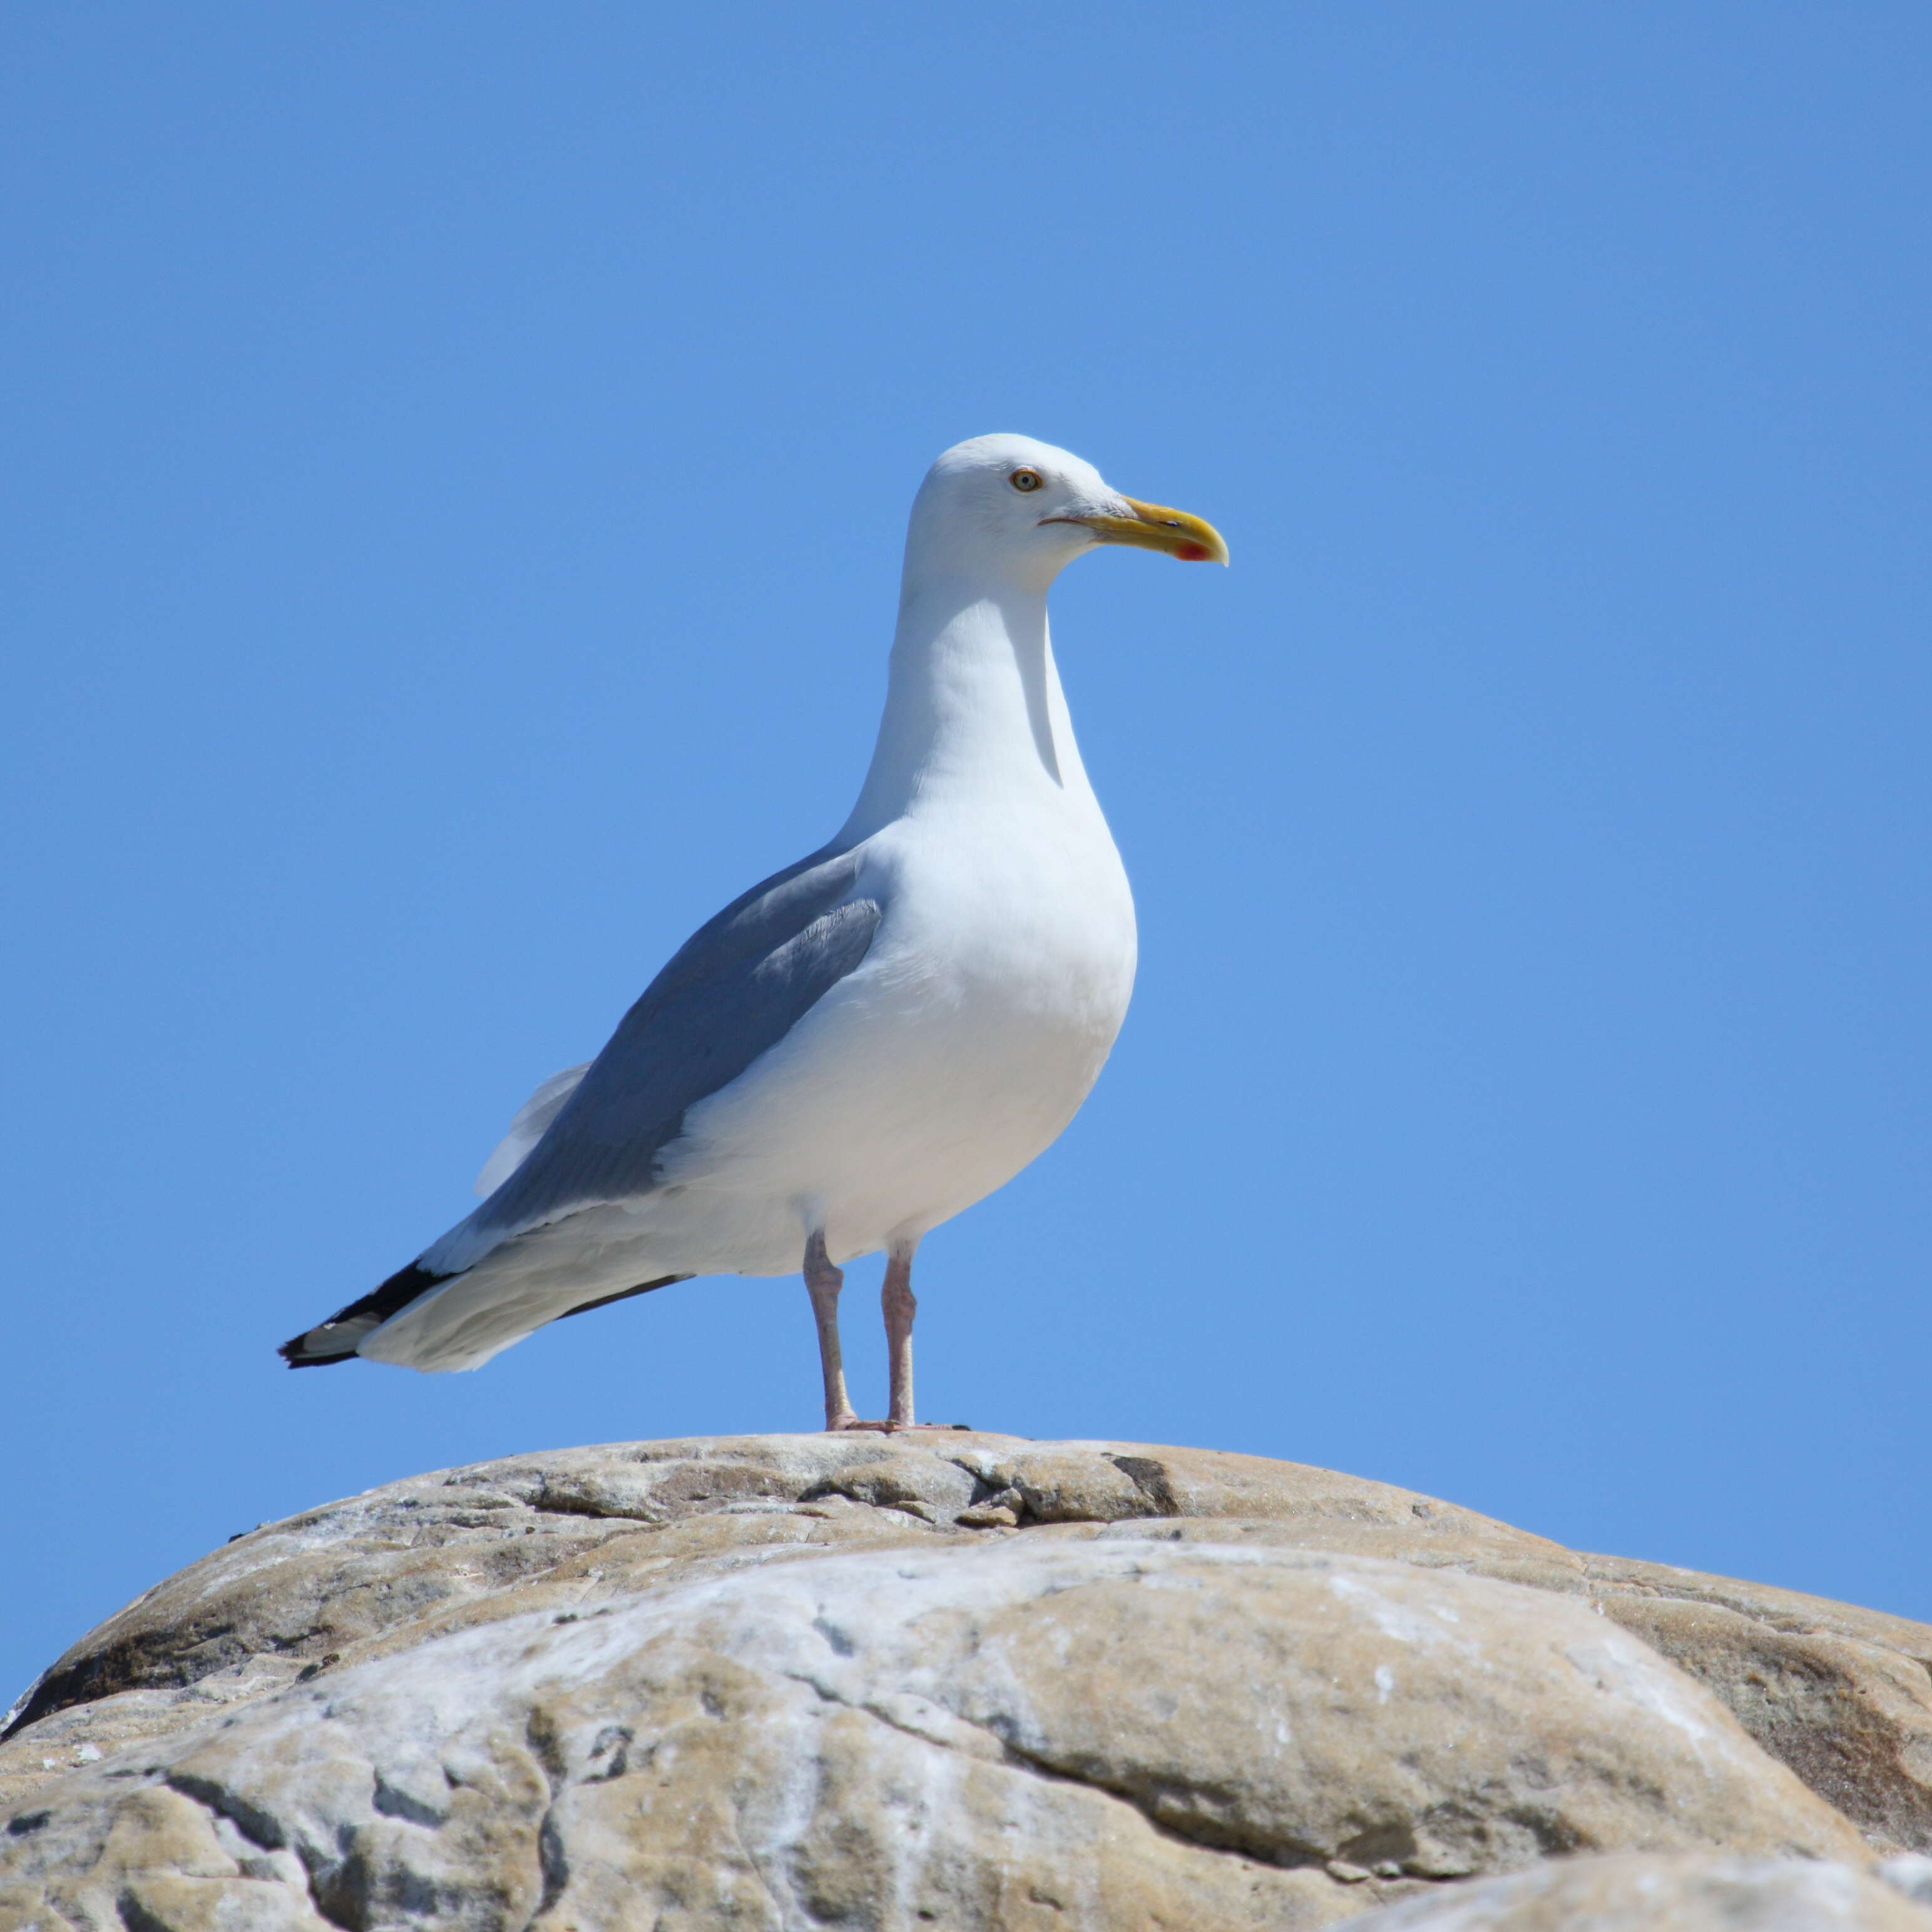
[962, 1682]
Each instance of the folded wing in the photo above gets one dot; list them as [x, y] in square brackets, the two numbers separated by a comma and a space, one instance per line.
[735, 988]
[530, 1123]
[594, 1135]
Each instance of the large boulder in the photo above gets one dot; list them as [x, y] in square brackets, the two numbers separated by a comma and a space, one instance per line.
[955, 1681]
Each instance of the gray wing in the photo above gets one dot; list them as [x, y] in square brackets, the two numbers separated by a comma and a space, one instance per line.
[734, 989]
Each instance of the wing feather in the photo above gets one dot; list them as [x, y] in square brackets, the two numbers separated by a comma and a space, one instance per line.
[529, 1125]
[735, 988]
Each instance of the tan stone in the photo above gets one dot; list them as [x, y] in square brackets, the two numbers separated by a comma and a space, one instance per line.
[163, 1902]
[866, 1736]
[946, 1680]
[1845, 1700]
[569, 1529]
[1661, 1895]
[1840, 1694]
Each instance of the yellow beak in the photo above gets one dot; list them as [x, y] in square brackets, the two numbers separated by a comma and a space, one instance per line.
[1153, 527]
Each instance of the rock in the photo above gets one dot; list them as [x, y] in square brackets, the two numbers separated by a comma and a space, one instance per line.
[1910, 1873]
[1638, 1893]
[574, 1527]
[1839, 1696]
[953, 1680]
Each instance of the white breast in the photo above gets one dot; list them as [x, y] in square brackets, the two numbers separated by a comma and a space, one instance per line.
[992, 991]
[958, 1051]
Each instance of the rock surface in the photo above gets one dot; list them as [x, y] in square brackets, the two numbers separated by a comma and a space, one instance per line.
[1637, 1894]
[957, 1681]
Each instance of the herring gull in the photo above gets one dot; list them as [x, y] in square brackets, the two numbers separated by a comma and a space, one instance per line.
[867, 1041]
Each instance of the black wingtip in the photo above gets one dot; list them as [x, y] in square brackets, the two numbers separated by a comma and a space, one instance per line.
[295, 1353]
[320, 1348]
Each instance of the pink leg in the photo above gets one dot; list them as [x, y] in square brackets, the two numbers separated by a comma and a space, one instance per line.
[823, 1281]
[895, 1298]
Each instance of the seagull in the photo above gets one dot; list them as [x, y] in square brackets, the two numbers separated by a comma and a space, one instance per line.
[867, 1041]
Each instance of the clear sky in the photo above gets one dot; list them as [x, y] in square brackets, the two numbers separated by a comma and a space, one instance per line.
[457, 458]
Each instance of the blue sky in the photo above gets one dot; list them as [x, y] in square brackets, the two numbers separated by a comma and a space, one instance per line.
[458, 457]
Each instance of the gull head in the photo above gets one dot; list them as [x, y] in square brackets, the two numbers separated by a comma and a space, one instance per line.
[1018, 511]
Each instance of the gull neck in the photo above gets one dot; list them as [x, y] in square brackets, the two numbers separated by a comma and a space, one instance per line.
[974, 712]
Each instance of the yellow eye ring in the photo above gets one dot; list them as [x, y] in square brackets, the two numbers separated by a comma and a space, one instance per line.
[1025, 479]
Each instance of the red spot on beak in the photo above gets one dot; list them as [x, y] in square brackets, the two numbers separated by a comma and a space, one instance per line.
[1193, 552]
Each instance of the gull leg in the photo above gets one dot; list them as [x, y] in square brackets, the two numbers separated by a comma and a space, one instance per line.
[896, 1299]
[823, 1281]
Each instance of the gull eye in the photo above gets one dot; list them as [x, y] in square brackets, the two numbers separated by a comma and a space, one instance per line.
[1024, 479]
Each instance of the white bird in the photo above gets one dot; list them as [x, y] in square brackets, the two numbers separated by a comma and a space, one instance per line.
[872, 1039]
